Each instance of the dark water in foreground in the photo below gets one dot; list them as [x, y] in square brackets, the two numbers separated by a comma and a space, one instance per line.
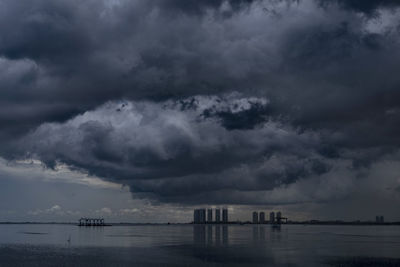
[187, 245]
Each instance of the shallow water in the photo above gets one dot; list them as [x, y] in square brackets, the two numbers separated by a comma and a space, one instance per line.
[188, 245]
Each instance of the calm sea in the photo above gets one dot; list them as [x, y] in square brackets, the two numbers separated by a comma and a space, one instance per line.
[188, 245]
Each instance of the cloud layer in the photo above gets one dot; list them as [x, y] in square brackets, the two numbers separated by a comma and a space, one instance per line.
[240, 101]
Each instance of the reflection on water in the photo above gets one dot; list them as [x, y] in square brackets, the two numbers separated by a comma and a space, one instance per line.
[203, 235]
[199, 245]
[215, 235]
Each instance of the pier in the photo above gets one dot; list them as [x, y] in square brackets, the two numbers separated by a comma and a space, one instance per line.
[91, 222]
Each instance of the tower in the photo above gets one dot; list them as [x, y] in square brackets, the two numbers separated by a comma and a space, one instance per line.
[196, 216]
[202, 215]
[209, 216]
[217, 215]
[225, 215]
[272, 217]
[262, 217]
[255, 217]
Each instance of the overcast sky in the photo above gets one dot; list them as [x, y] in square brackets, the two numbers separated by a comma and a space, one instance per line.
[141, 110]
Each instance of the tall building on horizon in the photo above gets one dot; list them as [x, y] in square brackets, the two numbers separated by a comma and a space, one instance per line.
[202, 215]
[225, 215]
[196, 216]
[199, 216]
[262, 217]
[272, 217]
[255, 217]
[217, 215]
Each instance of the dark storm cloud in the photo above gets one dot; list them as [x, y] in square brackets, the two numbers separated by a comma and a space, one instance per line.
[197, 7]
[318, 93]
[175, 153]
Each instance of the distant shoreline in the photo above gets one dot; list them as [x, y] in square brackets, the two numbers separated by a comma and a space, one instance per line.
[229, 223]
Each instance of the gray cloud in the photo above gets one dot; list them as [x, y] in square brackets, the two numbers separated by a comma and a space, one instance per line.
[174, 152]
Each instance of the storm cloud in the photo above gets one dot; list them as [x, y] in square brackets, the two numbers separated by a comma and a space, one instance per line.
[179, 149]
[242, 102]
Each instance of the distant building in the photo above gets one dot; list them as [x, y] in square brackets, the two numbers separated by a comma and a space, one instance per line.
[262, 217]
[202, 215]
[196, 216]
[209, 216]
[217, 215]
[224, 215]
[199, 216]
[272, 217]
[255, 217]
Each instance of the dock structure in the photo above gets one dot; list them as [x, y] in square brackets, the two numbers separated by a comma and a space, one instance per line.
[91, 222]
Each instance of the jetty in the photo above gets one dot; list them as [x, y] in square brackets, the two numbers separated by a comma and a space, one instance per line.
[91, 222]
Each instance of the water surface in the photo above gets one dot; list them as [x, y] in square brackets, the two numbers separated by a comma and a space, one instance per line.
[199, 245]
